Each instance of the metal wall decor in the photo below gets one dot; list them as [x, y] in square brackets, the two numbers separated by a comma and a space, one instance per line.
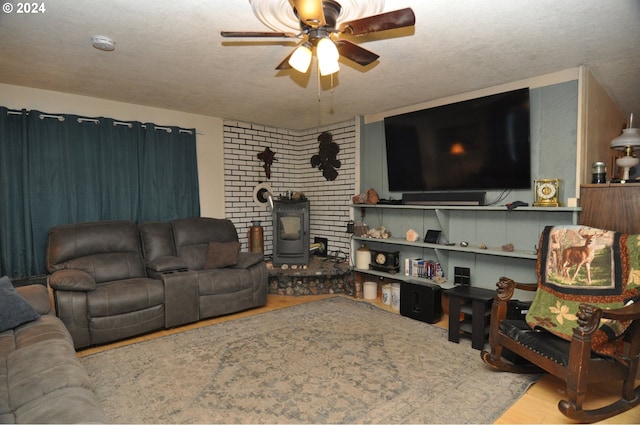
[267, 156]
[326, 159]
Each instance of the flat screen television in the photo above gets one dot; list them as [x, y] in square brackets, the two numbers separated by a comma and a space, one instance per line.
[477, 144]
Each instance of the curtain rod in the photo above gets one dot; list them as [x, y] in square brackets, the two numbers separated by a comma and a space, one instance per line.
[96, 120]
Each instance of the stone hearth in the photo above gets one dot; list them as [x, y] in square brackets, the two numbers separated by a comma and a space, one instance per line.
[323, 276]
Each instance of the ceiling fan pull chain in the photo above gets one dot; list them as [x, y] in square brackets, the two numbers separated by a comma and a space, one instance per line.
[319, 83]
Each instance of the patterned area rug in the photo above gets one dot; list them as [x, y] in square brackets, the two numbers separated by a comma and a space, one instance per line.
[329, 361]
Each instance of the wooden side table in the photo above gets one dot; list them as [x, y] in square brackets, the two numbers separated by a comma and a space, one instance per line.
[474, 302]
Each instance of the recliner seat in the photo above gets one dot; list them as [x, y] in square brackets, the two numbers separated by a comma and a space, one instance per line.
[98, 276]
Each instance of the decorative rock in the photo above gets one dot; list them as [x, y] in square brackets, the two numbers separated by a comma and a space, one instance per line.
[507, 247]
[412, 235]
[482, 246]
[464, 243]
[380, 233]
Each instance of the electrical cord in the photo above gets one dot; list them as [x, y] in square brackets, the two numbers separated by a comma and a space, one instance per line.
[503, 195]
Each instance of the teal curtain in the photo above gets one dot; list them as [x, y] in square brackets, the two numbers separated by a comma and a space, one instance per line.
[60, 169]
[163, 179]
[16, 236]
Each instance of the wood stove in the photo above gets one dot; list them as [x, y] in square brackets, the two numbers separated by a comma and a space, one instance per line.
[290, 232]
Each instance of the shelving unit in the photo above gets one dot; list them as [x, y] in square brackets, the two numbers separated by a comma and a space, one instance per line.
[490, 226]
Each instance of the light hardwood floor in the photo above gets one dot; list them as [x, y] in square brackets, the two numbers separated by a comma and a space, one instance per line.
[537, 406]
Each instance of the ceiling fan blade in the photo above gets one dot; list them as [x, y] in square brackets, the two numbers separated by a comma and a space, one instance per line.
[310, 12]
[257, 34]
[384, 21]
[285, 63]
[355, 53]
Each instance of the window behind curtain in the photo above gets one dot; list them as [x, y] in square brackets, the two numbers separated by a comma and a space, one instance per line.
[60, 169]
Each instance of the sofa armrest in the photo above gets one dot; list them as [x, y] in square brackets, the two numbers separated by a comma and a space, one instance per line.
[248, 259]
[72, 280]
[37, 296]
[167, 264]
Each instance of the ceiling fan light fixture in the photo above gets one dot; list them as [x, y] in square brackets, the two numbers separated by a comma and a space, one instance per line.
[301, 57]
[278, 15]
[328, 67]
[327, 50]
[328, 56]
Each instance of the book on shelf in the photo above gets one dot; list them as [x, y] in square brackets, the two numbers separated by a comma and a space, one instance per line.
[419, 267]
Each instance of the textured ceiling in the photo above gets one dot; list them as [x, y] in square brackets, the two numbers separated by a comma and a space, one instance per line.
[170, 54]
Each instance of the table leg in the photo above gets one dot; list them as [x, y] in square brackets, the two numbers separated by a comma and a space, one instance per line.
[454, 319]
[477, 324]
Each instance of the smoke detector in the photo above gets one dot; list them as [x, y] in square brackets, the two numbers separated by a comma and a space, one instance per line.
[102, 42]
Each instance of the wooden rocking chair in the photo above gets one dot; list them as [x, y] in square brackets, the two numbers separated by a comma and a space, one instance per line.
[583, 329]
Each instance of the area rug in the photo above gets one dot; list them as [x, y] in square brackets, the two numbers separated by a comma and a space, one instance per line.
[331, 361]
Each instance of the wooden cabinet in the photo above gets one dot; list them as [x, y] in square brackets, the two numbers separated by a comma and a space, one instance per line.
[611, 206]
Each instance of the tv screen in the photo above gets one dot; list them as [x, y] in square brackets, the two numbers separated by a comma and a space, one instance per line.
[478, 144]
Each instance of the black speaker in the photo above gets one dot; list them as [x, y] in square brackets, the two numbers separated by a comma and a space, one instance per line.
[421, 301]
[444, 198]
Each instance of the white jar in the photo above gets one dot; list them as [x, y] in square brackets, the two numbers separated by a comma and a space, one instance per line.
[395, 296]
[386, 294]
[363, 258]
[370, 290]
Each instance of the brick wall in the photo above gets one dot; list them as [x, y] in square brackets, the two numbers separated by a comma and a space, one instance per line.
[291, 171]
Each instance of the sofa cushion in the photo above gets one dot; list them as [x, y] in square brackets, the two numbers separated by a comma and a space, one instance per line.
[63, 406]
[46, 328]
[41, 379]
[41, 368]
[14, 309]
[124, 296]
[222, 254]
[157, 240]
[107, 250]
[223, 281]
[192, 236]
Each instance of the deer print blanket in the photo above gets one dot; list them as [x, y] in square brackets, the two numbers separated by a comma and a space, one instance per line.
[579, 264]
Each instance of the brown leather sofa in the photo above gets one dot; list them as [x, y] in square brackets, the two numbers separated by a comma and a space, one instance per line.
[179, 252]
[114, 279]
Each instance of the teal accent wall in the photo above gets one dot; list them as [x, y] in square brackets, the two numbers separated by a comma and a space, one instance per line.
[554, 120]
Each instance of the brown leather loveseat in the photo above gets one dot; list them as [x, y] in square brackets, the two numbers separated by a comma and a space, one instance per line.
[114, 279]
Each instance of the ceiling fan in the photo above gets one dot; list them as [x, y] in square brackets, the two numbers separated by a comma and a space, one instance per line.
[319, 29]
